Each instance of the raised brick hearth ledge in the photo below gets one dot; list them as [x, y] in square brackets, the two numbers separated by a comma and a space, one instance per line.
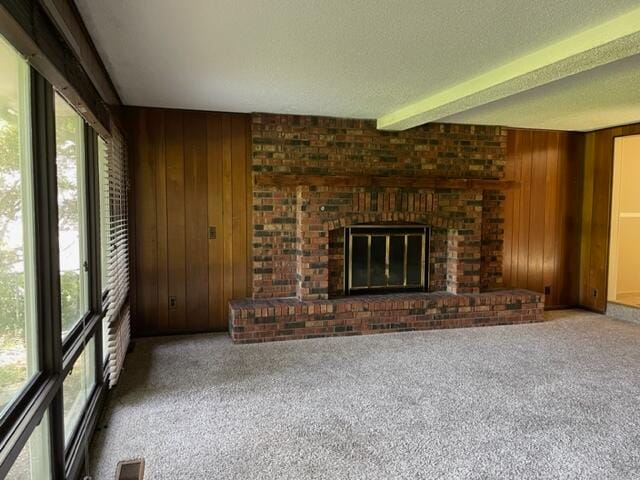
[263, 320]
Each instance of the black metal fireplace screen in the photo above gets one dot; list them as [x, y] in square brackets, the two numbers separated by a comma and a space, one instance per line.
[386, 258]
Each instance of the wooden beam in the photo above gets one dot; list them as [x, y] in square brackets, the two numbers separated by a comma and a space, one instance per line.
[288, 180]
[610, 41]
[65, 15]
[28, 27]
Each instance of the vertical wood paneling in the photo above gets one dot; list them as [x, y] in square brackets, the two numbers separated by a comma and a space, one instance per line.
[541, 215]
[217, 305]
[538, 203]
[525, 156]
[195, 202]
[596, 214]
[573, 164]
[146, 235]
[585, 234]
[603, 171]
[190, 171]
[227, 217]
[176, 222]
[157, 117]
[551, 215]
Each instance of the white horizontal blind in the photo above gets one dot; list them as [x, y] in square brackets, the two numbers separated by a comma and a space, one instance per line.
[117, 305]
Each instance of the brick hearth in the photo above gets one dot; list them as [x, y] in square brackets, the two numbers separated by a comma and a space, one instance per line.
[314, 176]
[264, 320]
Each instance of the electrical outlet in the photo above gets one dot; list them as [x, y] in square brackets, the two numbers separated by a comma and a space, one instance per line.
[173, 303]
[547, 290]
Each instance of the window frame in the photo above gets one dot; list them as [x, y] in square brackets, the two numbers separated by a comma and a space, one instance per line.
[32, 329]
[43, 393]
[104, 214]
[45, 443]
[89, 327]
[104, 222]
[84, 215]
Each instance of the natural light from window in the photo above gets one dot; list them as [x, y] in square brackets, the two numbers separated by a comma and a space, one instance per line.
[71, 214]
[18, 357]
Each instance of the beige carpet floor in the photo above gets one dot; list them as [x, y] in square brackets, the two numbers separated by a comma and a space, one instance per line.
[559, 399]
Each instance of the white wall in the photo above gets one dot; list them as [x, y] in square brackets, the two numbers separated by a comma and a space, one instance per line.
[624, 275]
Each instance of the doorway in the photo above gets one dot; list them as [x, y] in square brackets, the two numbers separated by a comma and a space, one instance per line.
[624, 251]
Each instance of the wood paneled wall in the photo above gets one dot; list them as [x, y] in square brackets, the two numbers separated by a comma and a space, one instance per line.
[577, 213]
[542, 215]
[596, 214]
[190, 171]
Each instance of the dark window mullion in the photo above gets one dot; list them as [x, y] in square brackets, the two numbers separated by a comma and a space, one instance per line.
[39, 395]
[90, 326]
[76, 449]
[93, 241]
[78, 339]
[44, 392]
[47, 256]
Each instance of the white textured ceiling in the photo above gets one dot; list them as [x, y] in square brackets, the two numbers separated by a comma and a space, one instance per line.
[603, 97]
[350, 58]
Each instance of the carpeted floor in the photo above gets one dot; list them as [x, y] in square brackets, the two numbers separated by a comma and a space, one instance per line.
[623, 312]
[554, 400]
[632, 299]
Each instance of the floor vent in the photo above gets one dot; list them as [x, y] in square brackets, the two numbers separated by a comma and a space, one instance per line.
[130, 470]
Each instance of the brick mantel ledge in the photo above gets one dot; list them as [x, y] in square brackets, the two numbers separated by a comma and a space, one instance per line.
[394, 181]
[261, 320]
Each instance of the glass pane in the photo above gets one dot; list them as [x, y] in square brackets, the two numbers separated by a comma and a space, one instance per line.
[33, 462]
[71, 212]
[414, 260]
[104, 210]
[359, 261]
[378, 261]
[103, 182]
[77, 388]
[396, 260]
[105, 337]
[18, 346]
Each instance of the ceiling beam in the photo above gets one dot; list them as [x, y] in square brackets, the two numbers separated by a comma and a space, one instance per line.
[610, 41]
[29, 29]
[68, 20]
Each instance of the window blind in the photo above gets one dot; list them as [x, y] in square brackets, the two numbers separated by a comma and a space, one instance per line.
[116, 302]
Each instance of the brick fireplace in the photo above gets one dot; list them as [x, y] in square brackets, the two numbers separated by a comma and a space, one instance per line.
[382, 258]
[315, 176]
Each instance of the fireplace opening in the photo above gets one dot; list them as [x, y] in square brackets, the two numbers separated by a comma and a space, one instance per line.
[386, 258]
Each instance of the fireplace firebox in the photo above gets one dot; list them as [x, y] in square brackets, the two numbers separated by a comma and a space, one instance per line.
[386, 258]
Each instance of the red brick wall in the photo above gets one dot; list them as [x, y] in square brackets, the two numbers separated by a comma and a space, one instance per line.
[265, 320]
[334, 146]
[492, 239]
[297, 251]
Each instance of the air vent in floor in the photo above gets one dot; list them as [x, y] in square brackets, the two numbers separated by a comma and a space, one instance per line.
[130, 470]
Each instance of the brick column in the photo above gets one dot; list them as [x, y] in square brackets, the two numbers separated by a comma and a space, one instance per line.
[464, 252]
[312, 266]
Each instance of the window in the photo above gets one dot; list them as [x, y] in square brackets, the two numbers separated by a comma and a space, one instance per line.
[77, 388]
[33, 462]
[103, 182]
[118, 313]
[45, 337]
[18, 336]
[70, 161]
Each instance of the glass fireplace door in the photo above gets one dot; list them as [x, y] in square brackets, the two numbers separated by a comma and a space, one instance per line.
[385, 258]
